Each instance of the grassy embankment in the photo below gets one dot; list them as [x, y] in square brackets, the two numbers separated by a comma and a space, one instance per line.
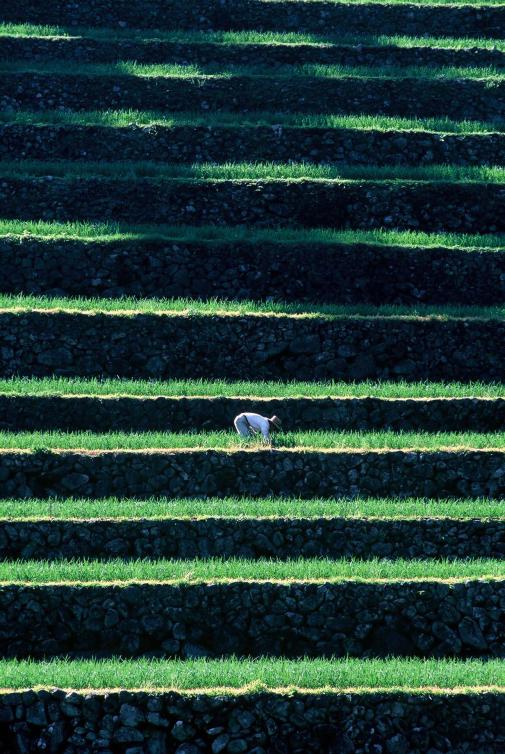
[110, 232]
[265, 171]
[217, 71]
[115, 388]
[128, 306]
[215, 570]
[224, 440]
[224, 119]
[383, 509]
[248, 37]
[249, 676]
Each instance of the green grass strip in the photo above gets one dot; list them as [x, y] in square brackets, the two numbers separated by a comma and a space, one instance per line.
[109, 232]
[224, 440]
[246, 37]
[486, 74]
[21, 304]
[256, 676]
[265, 171]
[124, 118]
[148, 35]
[383, 509]
[214, 570]
[423, 3]
[78, 386]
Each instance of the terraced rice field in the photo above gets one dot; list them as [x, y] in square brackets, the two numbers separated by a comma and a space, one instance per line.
[294, 207]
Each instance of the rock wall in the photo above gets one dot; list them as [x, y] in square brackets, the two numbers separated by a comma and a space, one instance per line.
[305, 474]
[301, 619]
[425, 206]
[295, 723]
[253, 538]
[275, 143]
[284, 15]
[251, 346]
[453, 98]
[332, 273]
[98, 414]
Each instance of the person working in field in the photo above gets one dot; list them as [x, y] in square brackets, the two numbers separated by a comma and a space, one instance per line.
[248, 425]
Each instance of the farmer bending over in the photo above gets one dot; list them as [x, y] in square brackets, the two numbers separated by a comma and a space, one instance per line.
[248, 425]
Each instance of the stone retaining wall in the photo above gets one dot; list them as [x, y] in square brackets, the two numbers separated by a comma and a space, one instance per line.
[253, 538]
[86, 50]
[332, 273]
[430, 206]
[276, 143]
[282, 15]
[453, 98]
[177, 414]
[251, 347]
[305, 474]
[265, 723]
[302, 619]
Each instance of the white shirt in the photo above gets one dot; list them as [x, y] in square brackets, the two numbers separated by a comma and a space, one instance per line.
[258, 423]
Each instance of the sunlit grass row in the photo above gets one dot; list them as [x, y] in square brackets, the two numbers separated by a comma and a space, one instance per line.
[227, 72]
[255, 676]
[214, 570]
[383, 509]
[112, 232]
[224, 440]
[248, 37]
[115, 388]
[266, 171]
[128, 306]
[430, 3]
[123, 118]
